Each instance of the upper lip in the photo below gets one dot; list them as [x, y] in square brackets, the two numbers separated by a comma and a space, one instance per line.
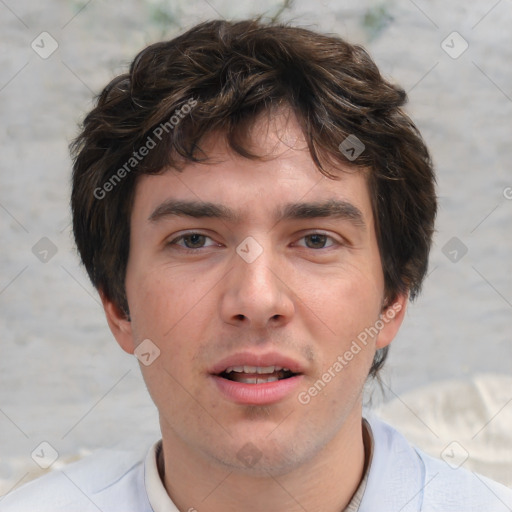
[259, 360]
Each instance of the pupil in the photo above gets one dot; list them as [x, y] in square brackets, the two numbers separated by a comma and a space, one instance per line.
[317, 241]
[195, 240]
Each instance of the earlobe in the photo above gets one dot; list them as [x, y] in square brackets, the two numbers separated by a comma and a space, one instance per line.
[119, 324]
[392, 317]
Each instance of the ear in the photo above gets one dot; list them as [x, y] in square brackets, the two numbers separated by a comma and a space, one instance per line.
[119, 324]
[392, 317]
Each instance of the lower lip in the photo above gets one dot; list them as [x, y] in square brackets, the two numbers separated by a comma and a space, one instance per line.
[257, 394]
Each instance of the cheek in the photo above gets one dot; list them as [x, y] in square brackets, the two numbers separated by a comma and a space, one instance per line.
[171, 309]
[155, 307]
[165, 310]
[346, 310]
[346, 301]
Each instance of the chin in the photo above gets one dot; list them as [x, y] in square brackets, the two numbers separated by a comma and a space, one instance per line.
[261, 456]
[254, 462]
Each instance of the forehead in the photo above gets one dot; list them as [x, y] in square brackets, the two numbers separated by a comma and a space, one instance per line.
[285, 174]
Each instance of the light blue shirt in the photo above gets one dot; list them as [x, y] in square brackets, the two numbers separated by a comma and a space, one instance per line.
[400, 478]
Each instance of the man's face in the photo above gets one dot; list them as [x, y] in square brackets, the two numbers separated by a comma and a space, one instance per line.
[283, 272]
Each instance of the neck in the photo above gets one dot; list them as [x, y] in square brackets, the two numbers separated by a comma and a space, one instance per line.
[326, 482]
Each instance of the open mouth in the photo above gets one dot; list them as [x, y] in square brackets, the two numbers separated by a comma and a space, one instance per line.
[248, 378]
[256, 374]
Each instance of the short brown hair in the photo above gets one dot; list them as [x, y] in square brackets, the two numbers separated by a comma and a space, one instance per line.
[228, 73]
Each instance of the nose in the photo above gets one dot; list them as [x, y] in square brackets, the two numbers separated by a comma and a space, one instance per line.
[255, 294]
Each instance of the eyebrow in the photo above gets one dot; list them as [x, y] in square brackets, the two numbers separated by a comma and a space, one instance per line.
[292, 211]
[334, 208]
[196, 209]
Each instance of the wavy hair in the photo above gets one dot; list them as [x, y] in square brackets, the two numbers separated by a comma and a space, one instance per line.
[234, 71]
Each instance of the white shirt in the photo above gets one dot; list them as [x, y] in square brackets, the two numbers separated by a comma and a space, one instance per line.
[399, 478]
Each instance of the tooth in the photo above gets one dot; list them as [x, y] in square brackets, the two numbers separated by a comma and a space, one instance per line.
[249, 381]
[255, 380]
[255, 369]
[268, 379]
[266, 369]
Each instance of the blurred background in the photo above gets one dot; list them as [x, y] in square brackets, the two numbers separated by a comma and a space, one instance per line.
[63, 379]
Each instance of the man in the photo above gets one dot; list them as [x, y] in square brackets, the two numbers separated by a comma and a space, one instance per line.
[255, 210]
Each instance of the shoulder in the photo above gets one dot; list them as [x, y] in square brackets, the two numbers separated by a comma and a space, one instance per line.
[402, 477]
[110, 481]
[459, 489]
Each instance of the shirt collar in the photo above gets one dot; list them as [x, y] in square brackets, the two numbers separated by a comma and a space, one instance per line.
[369, 442]
[157, 495]
[161, 502]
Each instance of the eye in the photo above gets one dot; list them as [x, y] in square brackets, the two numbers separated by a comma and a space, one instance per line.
[318, 241]
[192, 241]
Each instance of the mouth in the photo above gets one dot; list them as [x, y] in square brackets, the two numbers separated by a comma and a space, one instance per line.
[256, 374]
[257, 379]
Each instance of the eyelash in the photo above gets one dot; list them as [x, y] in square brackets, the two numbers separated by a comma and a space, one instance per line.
[189, 250]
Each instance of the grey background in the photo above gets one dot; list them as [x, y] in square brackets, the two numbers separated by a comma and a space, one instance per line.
[63, 378]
